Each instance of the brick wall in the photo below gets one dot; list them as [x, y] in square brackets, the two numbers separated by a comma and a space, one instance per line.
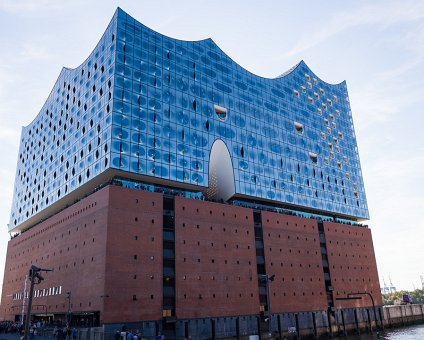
[292, 253]
[216, 260]
[352, 264]
[134, 256]
[107, 250]
[73, 244]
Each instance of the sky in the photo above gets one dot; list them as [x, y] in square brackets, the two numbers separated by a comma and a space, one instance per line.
[376, 46]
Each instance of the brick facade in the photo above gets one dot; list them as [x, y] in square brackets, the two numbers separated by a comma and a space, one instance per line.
[73, 244]
[292, 253]
[352, 264]
[107, 249]
[215, 262]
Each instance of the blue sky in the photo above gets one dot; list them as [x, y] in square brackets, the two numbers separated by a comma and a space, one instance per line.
[376, 46]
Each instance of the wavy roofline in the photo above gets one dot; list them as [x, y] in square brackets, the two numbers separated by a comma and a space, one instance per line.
[302, 62]
[283, 75]
[65, 70]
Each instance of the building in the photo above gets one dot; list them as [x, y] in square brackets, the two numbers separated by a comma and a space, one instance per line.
[164, 184]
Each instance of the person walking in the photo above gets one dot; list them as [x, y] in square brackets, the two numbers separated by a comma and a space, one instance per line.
[74, 334]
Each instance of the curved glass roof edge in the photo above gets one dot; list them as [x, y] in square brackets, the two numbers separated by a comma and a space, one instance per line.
[133, 106]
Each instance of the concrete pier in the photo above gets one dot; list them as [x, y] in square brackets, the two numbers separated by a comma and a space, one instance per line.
[403, 315]
[345, 321]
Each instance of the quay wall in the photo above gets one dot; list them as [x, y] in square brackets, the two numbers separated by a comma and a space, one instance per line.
[403, 315]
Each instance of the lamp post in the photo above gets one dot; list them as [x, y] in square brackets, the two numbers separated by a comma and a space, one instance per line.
[23, 300]
[351, 296]
[268, 278]
[68, 316]
[373, 305]
[35, 278]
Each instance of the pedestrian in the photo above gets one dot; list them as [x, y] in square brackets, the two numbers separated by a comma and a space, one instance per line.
[59, 333]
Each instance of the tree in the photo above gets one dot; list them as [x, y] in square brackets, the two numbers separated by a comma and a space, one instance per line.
[416, 295]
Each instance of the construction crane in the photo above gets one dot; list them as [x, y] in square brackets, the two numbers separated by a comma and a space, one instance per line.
[392, 288]
[385, 289]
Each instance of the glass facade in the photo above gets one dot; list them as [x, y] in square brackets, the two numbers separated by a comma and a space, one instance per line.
[147, 104]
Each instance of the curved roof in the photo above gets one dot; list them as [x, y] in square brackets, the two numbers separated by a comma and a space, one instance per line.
[65, 70]
[274, 125]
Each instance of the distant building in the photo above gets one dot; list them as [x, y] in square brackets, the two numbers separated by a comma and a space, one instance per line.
[162, 182]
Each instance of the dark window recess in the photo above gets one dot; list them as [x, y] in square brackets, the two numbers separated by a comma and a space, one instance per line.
[168, 253]
[168, 222]
[168, 272]
[168, 302]
[169, 236]
[325, 265]
[168, 282]
[168, 203]
[260, 259]
[258, 233]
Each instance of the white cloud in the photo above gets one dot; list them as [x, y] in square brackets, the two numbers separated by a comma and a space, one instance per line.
[394, 187]
[33, 52]
[376, 103]
[8, 134]
[408, 165]
[371, 14]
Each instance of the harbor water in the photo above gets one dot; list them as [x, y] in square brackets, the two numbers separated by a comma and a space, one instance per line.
[414, 332]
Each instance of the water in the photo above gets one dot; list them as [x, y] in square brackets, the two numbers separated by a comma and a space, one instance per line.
[415, 332]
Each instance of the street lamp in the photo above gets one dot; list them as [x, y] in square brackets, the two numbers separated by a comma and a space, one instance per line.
[69, 316]
[267, 278]
[351, 296]
[373, 305]
[35, 278]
